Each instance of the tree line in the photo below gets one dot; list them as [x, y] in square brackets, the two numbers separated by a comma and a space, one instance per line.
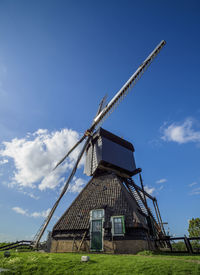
[194, 231]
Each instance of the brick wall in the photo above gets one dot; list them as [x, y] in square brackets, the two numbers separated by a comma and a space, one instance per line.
[116, 246]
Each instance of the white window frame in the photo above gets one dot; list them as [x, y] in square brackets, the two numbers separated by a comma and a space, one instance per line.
[91, 218]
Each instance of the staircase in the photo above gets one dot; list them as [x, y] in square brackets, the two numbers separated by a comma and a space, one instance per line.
[137, 198]
[141, 201]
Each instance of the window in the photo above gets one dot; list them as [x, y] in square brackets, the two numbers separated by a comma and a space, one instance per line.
[97, 214]
[118, 226]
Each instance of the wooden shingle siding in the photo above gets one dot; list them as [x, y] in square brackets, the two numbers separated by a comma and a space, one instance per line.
[103, 192]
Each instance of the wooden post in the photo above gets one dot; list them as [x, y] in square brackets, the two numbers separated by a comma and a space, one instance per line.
[188, 245]
[159, 222]
[142, 185]
[82, 240]
[163, 230]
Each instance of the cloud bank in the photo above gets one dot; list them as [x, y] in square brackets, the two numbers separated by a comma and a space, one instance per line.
[35, 156]
[181, 133]
[24, 212]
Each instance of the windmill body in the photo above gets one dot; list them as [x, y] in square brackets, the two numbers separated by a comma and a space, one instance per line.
[107, 215]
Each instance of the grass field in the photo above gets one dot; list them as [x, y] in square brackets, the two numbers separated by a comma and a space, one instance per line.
[69, 263]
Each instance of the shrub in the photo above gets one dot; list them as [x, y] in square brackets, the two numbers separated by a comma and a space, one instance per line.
[146, 253]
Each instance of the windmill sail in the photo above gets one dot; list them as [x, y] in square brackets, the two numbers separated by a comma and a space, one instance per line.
[103, 114]
[127, 86]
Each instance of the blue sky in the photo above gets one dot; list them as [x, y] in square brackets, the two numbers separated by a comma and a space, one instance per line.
[57, 60]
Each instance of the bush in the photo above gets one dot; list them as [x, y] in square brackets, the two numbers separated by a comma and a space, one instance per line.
[146, 253]
[195, 245]
[179, 246]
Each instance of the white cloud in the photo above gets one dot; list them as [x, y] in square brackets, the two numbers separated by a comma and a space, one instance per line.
[36, 155]
[192, 184]
[31, 195]
[161, 187]
[77, 186]
[161, 181]
[42, 214]
[19, 210]
[195, 191]
[149, 190]
[39, 132]
[181, 133]
[54, 178]
[3, 161]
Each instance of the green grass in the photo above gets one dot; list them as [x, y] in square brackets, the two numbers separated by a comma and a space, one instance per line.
[69, 263]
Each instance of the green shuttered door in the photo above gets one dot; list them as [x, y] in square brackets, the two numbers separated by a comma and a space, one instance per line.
[96, 235]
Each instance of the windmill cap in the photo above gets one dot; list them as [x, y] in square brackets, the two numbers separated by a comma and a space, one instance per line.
[114, 138]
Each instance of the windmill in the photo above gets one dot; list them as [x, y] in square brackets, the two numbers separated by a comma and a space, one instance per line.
[98, 164]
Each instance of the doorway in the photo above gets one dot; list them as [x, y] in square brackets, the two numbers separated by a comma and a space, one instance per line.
[96, 229]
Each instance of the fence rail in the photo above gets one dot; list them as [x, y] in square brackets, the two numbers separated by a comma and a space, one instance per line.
[188, 241]
[22, 243]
